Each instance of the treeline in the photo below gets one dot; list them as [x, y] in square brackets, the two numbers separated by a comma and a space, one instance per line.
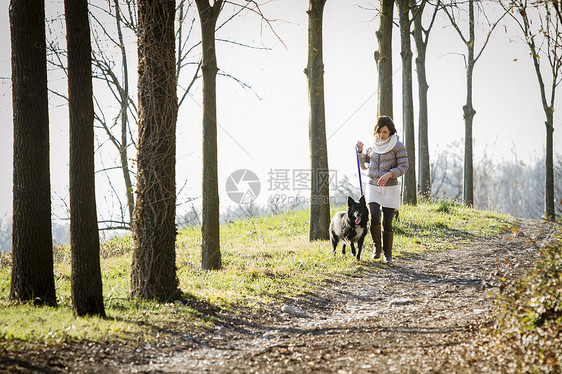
[509, 186]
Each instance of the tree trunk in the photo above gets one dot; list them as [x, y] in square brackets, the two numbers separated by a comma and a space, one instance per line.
[320, 181]
[86, 284]
[124, 99]
[424, 166]
[410, 193]
[383, 58]
[469, 112]
[153, 274]
[548, 107]
[210, 241]
[32, 247]
[550, 212]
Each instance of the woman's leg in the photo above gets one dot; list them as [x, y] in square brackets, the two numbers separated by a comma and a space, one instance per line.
[375, 213]
[388, 234]
[388, 215]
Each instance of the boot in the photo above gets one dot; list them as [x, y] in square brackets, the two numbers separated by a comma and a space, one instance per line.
[376, 236]
[387, 238]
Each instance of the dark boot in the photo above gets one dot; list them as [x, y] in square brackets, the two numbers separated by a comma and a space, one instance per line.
[376, 236]
[387, 238]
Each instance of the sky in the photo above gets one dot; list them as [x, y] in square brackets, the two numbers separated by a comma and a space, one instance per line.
[265, 129]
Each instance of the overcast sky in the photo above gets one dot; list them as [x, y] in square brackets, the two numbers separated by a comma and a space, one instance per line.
[266, 131]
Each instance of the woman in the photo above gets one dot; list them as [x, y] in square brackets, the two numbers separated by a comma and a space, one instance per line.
[385, 161]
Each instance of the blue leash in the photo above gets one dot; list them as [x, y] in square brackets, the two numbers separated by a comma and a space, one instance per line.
[359, 170]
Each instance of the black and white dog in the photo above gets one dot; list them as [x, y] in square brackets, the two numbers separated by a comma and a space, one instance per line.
[350, 226]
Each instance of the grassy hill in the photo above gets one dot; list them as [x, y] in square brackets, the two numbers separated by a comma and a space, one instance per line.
[264, 259]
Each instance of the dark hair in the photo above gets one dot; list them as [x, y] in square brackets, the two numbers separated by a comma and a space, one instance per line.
[383, 121]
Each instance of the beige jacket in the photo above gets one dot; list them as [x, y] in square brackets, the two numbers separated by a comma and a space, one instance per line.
[395, 161]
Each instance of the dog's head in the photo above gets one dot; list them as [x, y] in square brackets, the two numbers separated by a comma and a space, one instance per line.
[357, 211]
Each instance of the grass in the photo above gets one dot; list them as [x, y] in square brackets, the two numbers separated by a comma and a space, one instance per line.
[264, 260]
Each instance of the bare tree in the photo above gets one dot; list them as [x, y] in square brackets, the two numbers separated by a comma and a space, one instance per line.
[118, 83]
[110, 67]
[447, 173]
[210, 240]
[472, 56]
[153, 274]
[320, 189]
[544, 39]
[421, 39]
[557, 5]
[86, 284]
[383, 58]
[210, 246]
[410, 193]
[114, 25]
[32, 248]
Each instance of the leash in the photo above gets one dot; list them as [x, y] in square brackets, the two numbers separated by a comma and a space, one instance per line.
[359, 170]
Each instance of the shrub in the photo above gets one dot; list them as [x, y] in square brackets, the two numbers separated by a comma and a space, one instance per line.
[531, 314]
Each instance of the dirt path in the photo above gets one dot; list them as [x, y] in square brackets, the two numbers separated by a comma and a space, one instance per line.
[398, 318]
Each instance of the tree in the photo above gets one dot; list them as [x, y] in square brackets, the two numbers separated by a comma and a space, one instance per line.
[210, 241]
[114, 72]
[86, 284]
[383, 58]
[544, 38]
[32, 247]
[410, 193]
[468, 109]
[113, 25]
[320, 189]
[153, 274]
[120, 89]
[421, 39]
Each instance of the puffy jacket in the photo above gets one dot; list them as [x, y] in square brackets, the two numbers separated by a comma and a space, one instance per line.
[395, 160]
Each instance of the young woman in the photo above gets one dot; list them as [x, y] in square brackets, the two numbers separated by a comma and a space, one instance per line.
[385, 160]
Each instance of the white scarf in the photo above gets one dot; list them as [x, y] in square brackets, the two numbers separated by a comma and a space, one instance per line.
[384, 146]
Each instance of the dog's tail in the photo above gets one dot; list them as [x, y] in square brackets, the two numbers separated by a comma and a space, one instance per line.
[334, 239]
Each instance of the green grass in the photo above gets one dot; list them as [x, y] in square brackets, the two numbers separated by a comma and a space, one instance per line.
[264, 260]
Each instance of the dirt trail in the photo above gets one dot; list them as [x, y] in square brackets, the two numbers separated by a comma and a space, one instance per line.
[396, 318]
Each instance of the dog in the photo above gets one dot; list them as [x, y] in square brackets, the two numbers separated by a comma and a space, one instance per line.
[350, 226]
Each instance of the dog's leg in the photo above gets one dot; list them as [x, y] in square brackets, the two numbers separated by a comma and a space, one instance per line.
[360, 247]
[352, 249]
[343, 249]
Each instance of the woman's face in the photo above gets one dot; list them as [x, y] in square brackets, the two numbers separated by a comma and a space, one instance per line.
[383, 133]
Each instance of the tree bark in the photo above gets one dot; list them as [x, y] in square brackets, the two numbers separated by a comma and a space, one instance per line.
[424, 166]
[86, 284]
[410, 193]
[32, 276]
[383, 58]
[468, 114]
[153, 274]
[210, 230]
[320, 181]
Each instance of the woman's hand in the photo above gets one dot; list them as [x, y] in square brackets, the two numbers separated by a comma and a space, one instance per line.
[384, 179]
[359, 146]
